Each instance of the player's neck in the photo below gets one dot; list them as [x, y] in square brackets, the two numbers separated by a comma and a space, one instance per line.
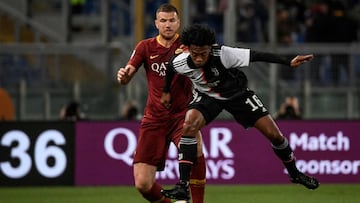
[166, 42]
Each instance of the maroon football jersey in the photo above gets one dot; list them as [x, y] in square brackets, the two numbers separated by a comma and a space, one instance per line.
[155, 57]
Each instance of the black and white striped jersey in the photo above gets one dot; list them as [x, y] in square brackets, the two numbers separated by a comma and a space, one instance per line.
[221, 77]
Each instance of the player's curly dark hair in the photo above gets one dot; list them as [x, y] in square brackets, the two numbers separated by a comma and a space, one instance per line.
[198, 35]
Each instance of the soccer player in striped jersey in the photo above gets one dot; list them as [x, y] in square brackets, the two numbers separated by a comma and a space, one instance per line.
[221, 85]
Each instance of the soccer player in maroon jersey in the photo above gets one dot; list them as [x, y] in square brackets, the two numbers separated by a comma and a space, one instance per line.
[161, 125]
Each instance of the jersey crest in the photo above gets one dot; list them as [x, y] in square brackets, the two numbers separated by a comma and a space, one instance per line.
[178, 51]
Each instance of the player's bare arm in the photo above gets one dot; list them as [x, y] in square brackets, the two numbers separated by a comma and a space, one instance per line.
[125, 74]
[300, 59]
[276, 58]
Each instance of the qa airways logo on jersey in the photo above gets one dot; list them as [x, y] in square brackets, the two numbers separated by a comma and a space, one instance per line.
[159, 68]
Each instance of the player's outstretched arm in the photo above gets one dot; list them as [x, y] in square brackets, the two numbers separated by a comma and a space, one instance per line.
[276, 58]
[300, 59]
[125, 74]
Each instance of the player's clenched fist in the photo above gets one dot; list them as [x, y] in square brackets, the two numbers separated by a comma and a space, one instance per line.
[165, 99]
[124, 75]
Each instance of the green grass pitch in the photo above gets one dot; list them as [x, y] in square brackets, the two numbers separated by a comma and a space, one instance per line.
[327, 193]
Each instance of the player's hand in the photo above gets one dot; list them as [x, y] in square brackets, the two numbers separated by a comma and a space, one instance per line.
[123, 76]
[300, 59]
[165, 99]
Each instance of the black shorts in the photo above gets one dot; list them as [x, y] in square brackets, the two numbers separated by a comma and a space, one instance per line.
[246, 108]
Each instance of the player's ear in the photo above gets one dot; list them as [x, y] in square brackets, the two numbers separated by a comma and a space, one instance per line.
[156, 24]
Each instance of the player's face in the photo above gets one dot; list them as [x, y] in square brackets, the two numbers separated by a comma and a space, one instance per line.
[168, 24]
[199, 54]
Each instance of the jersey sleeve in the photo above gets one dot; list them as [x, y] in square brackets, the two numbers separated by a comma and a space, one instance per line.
[269, 57]
[138, 55]
[234, 57]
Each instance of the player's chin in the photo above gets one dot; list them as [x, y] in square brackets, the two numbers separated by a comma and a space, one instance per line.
[169, 35]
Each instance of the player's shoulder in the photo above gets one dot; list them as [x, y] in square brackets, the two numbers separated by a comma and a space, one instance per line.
[147, 42]
[180, 56]
[180, 59]
[216, 49]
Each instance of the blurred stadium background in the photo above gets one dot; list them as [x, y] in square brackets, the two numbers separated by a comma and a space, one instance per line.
[55, 51]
